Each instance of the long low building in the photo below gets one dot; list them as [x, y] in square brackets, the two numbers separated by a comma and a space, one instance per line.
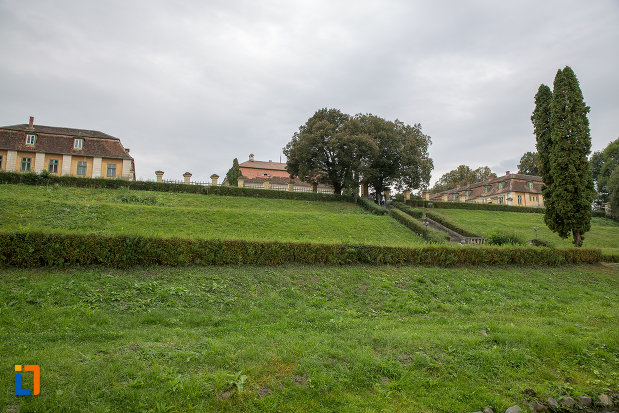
[64, 151]
[510, 189]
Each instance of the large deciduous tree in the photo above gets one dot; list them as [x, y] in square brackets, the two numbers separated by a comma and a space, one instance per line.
[603, 163]
[401, 161]
[569, 191]
[328, 149]
[462, 175]
[528, 164]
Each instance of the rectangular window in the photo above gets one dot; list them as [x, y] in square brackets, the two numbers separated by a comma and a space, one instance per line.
[519, 199]
[500, 185]
[78, 143]
[530, 184]
[81, 168]
[500, 200]
[25, 164]
[53, 166]
[111, 170]
[0, 162]
[30, 139]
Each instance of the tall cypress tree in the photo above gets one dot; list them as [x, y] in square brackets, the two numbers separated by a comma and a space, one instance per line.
[570, 189]
[234, 173]
[543, 142]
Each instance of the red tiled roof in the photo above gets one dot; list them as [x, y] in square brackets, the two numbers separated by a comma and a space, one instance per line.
[53, 130]
[275, 166]
[102, 145]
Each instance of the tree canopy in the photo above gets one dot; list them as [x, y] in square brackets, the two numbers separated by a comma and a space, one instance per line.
[462, 175]
[343, 151]
[528, 164]
[603, 163]
[234, 173]
[568, 184]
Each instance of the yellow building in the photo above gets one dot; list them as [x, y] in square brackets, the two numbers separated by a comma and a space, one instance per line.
[64, 151]
[510, 189]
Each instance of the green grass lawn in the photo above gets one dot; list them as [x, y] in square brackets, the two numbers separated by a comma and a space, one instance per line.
[604, 232]
[158, 214]
[307, 338]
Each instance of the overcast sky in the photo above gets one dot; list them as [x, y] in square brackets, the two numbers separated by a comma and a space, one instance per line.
[190, 85]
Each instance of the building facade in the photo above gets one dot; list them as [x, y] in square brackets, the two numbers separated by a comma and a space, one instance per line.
[273, 175]
[64, 151]
[510, 189]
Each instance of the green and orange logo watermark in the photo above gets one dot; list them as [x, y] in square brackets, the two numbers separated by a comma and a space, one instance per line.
[19, 390]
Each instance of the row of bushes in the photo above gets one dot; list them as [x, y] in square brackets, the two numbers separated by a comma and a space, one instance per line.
[371, 206]
[48, 179]
[415, 213]
[417, 227]
[417, 202]
[452, 226]
[473, 205]
[40, 250]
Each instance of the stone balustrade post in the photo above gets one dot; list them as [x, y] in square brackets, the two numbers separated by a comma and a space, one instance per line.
[266, 185]
[159, 176]
[241, 181]
[187, 176]
[214, 179]
[314, 187]
[407, 194]
[291, 186]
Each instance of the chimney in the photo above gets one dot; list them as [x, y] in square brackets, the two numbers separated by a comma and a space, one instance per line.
[251, 156]
[506, 173]
[31, 125]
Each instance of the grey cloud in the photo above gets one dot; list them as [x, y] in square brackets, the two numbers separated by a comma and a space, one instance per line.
[190, 85]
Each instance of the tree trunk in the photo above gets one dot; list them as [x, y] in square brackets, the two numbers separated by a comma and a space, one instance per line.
[577, 238]
[337, 188]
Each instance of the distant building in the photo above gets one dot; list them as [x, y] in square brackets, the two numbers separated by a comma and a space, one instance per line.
[257, 174]
[64, 151]
[510, 189]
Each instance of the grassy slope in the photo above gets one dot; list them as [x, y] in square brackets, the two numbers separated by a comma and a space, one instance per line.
[319, 338]
[604, 232]
[59, 209]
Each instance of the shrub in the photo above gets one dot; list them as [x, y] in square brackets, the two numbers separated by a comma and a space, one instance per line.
[371, 206]
[541, 243]
[417, 227]
[503, 237]
[415, 213]
[38, 250]
[452, 226]
[608, 257]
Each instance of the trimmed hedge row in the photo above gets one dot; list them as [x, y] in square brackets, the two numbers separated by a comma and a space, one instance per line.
[415, 202]
[474, 205]
[417, 227]
[72, 181]
[415, 213]
[610, 258]
[371, 206]
[41, 250]
[452, 226]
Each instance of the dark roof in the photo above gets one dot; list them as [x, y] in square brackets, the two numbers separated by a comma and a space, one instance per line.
[276, 166]
[53, 130]
[99, 146]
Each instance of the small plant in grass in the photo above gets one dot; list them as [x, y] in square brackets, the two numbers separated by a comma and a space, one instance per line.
[503, 237]
[238, 381]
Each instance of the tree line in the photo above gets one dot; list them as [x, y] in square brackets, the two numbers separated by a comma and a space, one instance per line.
[346, 151]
